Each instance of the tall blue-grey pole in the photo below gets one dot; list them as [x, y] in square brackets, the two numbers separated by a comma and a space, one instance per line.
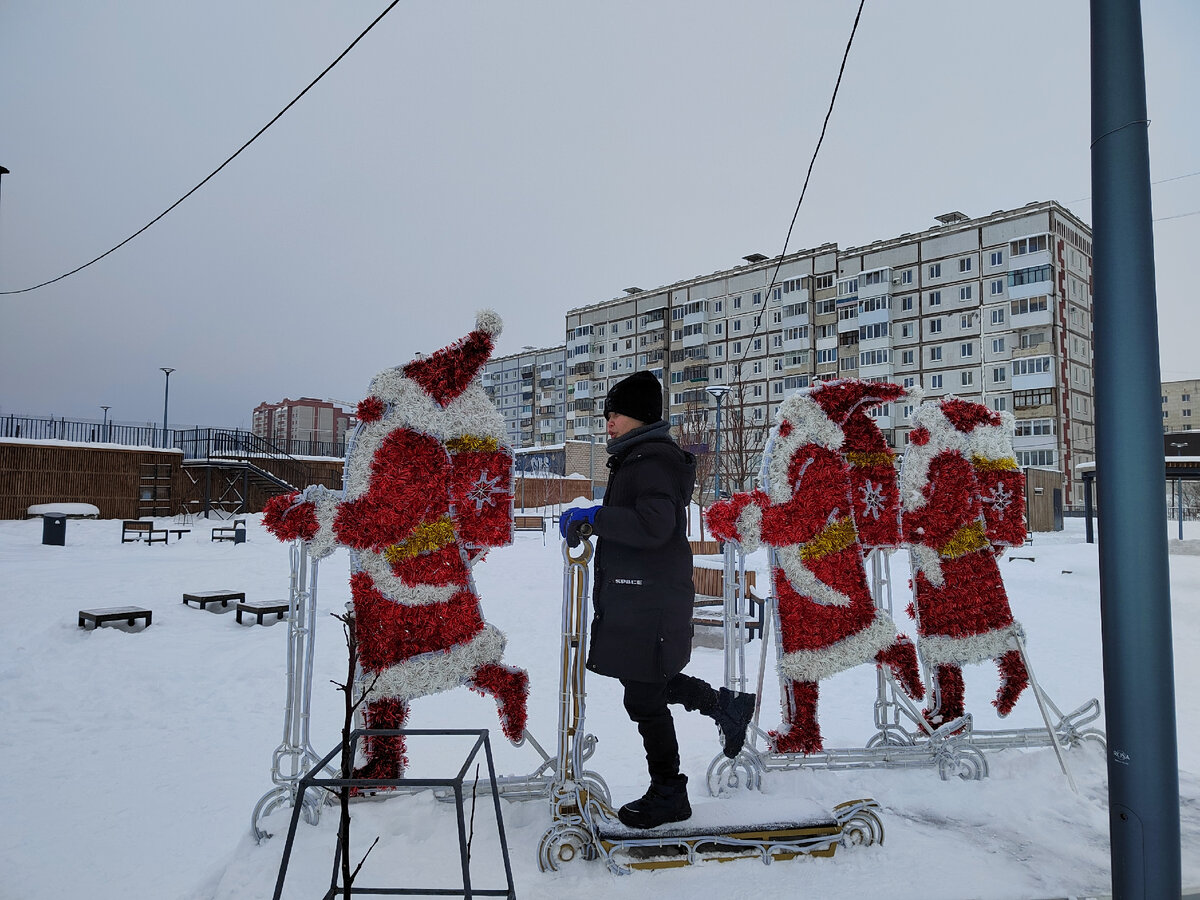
[718, 391]
[1135, 599]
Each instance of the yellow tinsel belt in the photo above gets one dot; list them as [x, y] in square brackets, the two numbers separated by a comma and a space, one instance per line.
[861, 458]
[837, 535]
[966, 540]
[986, 464]
[470, 442]
[426, 537]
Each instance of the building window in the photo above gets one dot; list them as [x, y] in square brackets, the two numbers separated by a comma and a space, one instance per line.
[997, 286]
[718, 305]
[935, 381]
[1027, 245]
[827, 356]
[997, 257]
[935, 271]
[965, 292]
[964, 264]
[935, 354]
[906, 303]
[998, 315]
[737, 302]
[1029, 305]
[967, 350]
[935, 326]
[968, 378]
[906, 330]
[757, 297]
[906, 276]
[964, 321]
[935, 298]
[906, 357]
[1186, 398]
[999, 375]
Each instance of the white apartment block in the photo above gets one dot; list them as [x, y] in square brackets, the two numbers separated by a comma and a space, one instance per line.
[995, 309]
[529, 389]
[1179, 399]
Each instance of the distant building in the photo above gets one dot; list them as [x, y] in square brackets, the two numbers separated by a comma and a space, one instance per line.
[304, 427]
[1178, 403]
[529, 390]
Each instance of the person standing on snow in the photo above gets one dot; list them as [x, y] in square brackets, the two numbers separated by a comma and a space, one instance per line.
[642, 628]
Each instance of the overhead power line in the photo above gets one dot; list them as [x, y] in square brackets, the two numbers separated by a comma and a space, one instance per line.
[214, 172]
[807, 177]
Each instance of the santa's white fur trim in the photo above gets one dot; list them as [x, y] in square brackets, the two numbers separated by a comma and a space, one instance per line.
[814, 665]
[380, 570]
[440, 670]
[325, 503]
[928, 562]
[941, 649]
[809, 425]
[749, 527]
[804, 581]
[487, 321]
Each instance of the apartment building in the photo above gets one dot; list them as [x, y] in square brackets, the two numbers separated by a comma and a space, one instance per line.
[995, 309]
[306, 426]
[1177, 405]
[529, 389]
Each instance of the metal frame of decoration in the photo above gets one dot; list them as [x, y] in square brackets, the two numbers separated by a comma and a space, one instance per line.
[902, 739]
[584, 824]
[295, 756]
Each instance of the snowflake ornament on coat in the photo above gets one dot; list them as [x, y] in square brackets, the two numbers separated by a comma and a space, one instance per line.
[428, 490]
[963, 501]
[827, 470]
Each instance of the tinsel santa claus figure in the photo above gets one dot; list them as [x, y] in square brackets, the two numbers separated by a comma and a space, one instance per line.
[428, 489]
[963, 501]
[807, 511]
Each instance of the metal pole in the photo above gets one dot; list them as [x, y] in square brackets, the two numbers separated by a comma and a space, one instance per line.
[104, 427]
[166, 393]
[1135, 603]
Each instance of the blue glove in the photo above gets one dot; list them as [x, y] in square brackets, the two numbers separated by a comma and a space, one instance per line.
[571, 520]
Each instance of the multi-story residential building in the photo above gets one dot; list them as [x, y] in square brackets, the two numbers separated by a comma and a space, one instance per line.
[995, 309]
[305, 426]
[530, 391]
[1177, 405]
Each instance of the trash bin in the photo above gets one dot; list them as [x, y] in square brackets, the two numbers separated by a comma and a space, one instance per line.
[239, 535]
[54, 530]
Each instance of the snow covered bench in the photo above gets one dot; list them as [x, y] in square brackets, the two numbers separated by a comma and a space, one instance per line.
[229, 532]
[141, 530]
[260, 608]
[128, 614]
[203, 598]
[530, 523]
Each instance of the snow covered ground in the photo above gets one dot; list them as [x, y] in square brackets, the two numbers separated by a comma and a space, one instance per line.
[133, 758]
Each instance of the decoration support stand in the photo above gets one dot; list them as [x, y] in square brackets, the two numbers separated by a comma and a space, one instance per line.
[903, 738]
[295, 756]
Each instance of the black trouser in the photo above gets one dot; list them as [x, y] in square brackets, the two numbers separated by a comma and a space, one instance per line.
[646, 702]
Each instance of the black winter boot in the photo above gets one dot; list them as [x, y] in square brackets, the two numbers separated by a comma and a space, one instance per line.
[733, 714]
[666, 801]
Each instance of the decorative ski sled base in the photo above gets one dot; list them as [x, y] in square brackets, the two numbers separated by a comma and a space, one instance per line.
[710, 836]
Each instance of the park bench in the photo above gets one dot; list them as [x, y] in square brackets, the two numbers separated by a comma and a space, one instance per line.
[98, 617]
[203, 598]
[530, 523]
[260, 608]
[709, 602]
[138, 530]
[228, 532]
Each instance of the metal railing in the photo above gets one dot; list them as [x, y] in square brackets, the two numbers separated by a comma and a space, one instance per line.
[234, 444]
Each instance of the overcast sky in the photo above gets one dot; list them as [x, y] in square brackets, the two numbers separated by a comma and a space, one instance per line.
[530, 157]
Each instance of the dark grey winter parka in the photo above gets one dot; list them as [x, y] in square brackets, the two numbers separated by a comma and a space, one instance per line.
[643, 594]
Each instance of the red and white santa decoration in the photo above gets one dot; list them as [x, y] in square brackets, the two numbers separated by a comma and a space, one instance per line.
[428, 489]
[962, 502]
[811, 500]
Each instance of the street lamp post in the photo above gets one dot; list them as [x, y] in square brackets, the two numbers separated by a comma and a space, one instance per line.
[1178, 488]
[104, 427]
[719, 392]
[166, 393]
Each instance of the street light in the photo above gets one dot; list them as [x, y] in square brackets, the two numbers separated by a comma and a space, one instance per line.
[719, 392]
[104, 427]
[166, 394]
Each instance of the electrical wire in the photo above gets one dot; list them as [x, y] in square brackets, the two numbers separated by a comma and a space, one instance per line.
[803, 190]
[214, 172]
[1160, 181]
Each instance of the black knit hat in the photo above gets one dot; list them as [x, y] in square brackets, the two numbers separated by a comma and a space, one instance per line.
[639, 396]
